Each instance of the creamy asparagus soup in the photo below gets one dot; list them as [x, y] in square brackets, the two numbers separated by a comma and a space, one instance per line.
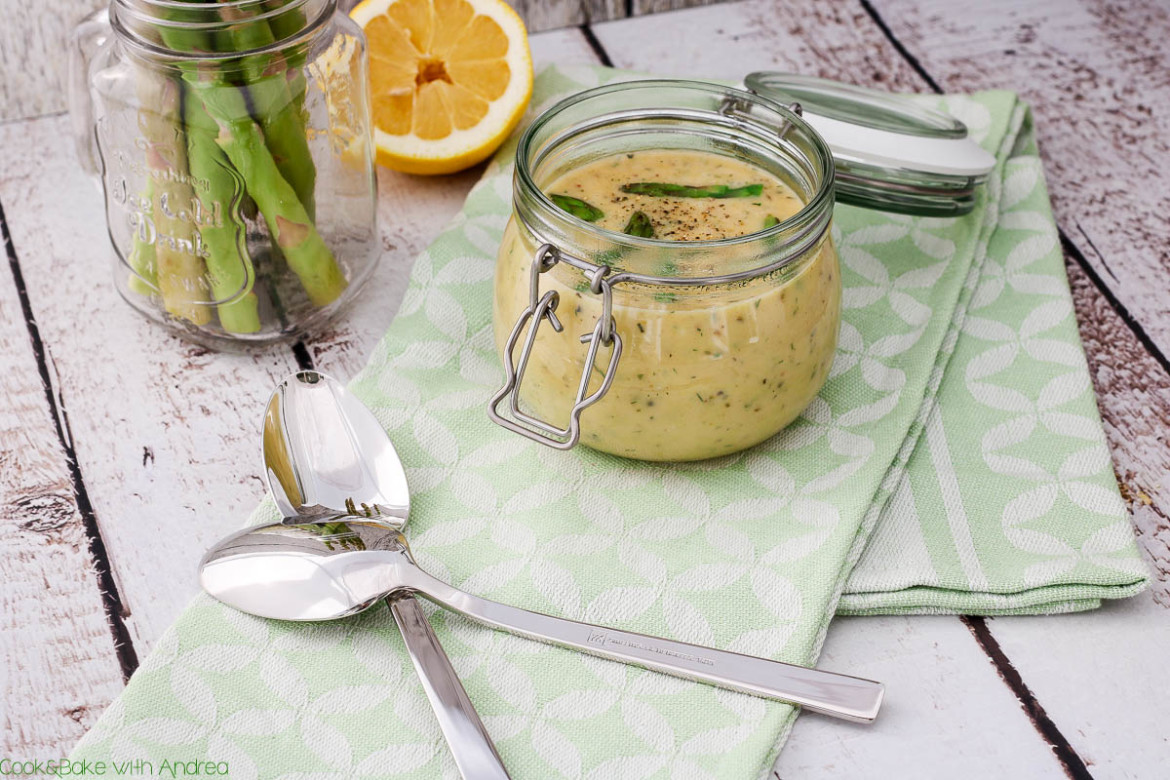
[704, 371]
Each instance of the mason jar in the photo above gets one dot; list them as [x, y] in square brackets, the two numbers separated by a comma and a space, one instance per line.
[683, 350]
[233, 145]
[679, 350]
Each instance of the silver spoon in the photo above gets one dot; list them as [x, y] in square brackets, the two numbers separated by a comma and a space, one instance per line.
[327, 457]
[323, 571]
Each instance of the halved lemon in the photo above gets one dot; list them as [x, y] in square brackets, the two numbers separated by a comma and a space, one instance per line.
[450, 79]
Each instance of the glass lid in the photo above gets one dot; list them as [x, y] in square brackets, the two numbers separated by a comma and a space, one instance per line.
[889, 152]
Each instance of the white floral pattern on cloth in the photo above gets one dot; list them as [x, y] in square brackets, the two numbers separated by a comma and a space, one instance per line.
[1010, 505]
[749, 552]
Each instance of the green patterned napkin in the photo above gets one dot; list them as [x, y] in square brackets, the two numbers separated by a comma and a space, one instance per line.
[959, 421]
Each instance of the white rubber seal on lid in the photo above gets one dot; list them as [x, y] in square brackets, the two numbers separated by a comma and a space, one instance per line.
[948, 156]
[878, 128]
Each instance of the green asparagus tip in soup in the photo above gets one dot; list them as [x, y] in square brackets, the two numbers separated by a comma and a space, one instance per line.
[770, 221]
[578, 208]
[722, 208]
[639, 225]
[658, 189]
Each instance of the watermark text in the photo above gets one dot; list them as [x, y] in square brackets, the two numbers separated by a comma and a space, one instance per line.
[64, 767]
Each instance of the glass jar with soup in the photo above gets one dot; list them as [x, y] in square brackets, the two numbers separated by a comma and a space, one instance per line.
[669, 266]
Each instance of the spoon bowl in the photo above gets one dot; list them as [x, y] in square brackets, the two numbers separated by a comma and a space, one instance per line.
[298, 571]
[325, 453]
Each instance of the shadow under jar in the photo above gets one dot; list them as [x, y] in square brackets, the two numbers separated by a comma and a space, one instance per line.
[233, 145]
[681, 350]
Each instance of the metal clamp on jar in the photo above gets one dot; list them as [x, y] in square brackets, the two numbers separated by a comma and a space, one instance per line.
[714, 345]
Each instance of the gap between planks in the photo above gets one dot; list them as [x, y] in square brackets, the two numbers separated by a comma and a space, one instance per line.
[1064, 752]
[115, 610]
[1070, 246]
[1094, 73]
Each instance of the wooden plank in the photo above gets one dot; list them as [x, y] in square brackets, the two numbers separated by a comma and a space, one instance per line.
[166, 434]
[58, 668]
[946, 714]
[540, 15]
[1093, 674]
[832, 40]
[1133, 395]
[33, 54]
[1095, 74]
[643, 7]
[411, 212]
[561, 47]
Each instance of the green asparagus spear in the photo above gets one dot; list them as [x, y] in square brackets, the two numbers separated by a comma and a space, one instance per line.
[287, 23]
[770, 221]
[578, 208]
[243, 141]
[639, 225]
[288, 221]
[284, 132]
[638, 221]
[178, 266]
[144, 279]
[664, 190]
[228, 263]
[275, 104]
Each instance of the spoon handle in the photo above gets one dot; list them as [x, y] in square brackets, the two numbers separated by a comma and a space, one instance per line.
[838, 695]
[475, 753]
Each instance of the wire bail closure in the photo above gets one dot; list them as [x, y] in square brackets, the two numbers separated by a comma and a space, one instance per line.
[541, 308]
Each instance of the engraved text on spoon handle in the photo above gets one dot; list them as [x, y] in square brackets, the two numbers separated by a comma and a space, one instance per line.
[838, 695]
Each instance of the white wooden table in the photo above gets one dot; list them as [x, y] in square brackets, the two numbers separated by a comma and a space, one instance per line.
[124, 452]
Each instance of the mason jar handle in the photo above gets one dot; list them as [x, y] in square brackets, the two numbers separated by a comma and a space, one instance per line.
[86, 40]
[541, 308]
